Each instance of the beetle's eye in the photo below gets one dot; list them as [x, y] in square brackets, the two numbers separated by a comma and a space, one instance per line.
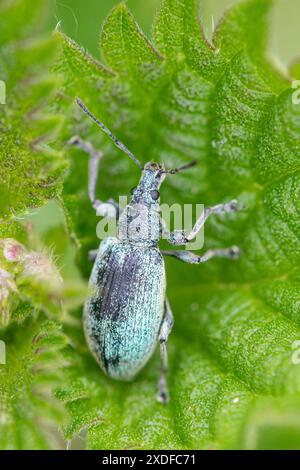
[132, 190]
[154, 195]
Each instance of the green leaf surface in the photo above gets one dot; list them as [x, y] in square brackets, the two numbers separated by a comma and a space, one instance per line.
[245, 25]
[31, 170]
[234, 353]
[34, 366]
[233, 380]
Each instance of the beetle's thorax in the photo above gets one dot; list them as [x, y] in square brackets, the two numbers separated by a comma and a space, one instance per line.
[139, 223]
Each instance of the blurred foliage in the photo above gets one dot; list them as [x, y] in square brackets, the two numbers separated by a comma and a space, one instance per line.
[30, 170]
[36, 358]
[232, 379]
[32, 167]
[284, 34]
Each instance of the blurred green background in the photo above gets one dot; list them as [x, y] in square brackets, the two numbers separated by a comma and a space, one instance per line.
[82, 21]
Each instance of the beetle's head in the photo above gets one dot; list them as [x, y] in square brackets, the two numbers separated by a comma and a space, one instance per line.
[153, 174]
[147, 191]
[154, 167]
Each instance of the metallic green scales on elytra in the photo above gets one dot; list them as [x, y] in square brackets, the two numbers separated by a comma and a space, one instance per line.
[127, 313]
[123, 319]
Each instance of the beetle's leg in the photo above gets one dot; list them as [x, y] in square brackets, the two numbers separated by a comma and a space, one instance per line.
[192, 258]
[105, 209]
[92, 255]
[165, 330]
[179, 237]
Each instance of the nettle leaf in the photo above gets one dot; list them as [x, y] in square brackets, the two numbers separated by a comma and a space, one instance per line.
[32, 163]
[35, 364]
[137, 57]
[234, 377]
[31, 166]
[31, 173]
[245, 25]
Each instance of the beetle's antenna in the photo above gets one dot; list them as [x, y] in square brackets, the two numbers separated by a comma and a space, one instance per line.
[182, 168]
[116, 141]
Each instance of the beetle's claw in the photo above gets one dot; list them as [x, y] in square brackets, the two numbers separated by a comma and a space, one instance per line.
[162, 394]
[92, 255]
[163, 397]
[234, 252]
[74, 140]
[233, 205]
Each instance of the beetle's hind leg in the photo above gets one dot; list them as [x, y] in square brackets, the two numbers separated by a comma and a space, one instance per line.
[106, 209]
[191, 258]
[165, 330]
[92, 255]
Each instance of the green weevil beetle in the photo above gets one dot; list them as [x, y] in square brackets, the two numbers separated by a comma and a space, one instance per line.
[127, 313]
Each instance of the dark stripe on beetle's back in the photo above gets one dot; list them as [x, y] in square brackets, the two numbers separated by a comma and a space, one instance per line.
[111, 361]
[115, 278]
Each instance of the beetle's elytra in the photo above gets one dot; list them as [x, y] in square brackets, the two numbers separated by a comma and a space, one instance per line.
[127, 313]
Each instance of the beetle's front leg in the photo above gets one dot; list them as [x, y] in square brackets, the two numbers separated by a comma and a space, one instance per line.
[165, 330]
[92, 255]
[106, 209]
[179, 237]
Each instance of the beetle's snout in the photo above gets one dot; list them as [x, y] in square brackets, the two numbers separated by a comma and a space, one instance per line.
[153, 166]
